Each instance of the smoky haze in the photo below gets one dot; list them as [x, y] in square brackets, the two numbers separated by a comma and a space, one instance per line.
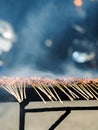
[45, 33]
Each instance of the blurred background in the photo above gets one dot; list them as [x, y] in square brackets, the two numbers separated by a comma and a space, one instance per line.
[54, 38]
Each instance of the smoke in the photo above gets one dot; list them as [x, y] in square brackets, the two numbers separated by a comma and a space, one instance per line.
[36, 22]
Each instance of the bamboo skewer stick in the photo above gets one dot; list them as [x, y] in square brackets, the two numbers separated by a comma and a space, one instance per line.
[73, 88]
[56, 94]
[39, 94]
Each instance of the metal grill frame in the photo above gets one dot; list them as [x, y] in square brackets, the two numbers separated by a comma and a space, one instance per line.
[33, 97]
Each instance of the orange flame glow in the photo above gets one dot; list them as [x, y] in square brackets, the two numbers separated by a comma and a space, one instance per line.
[78, 3]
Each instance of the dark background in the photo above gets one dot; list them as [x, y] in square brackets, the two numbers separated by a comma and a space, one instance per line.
[35, 21]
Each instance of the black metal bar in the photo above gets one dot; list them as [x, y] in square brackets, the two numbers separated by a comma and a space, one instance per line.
[60, 109]
[84, 108]
[22, 117]
[68, 111]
